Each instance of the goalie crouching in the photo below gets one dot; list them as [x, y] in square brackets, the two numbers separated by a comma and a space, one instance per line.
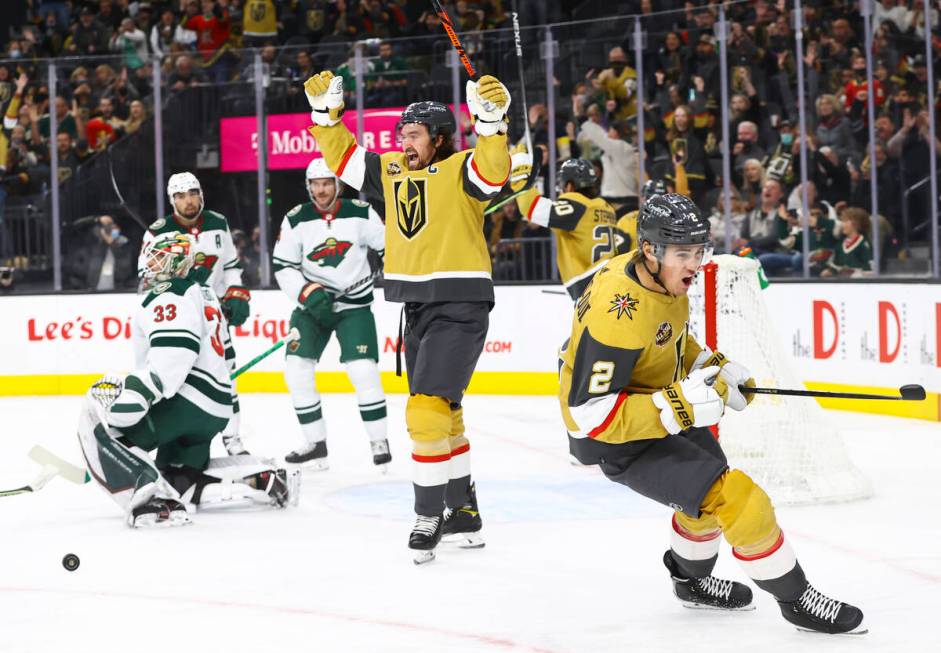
[175, 401]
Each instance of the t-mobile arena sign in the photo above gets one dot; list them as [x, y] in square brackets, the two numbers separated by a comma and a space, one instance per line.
[291, 146]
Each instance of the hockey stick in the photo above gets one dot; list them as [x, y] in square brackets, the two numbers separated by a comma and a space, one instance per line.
[52, 466]
[498, 201]
[292, 335]
[906, 393]
[359, 284]
[117, 191]
[519, 69]
[44, 477]
[448, 25]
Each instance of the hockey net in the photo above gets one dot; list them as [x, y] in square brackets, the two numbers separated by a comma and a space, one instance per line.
[786, 444]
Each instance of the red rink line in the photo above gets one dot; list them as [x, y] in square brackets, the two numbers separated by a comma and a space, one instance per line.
[427, 630]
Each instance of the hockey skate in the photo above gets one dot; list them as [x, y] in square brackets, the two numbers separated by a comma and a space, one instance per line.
[160, 513]
[814, 612]
[315, 454]
[380, 454]
[426, 533]
[708, 593]
[462, 525]
[279, 484]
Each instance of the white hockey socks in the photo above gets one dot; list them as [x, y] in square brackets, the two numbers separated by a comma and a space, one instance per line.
[364, 375]
[299, 376]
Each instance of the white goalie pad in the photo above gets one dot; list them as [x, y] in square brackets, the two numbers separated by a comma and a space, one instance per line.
[232, 491]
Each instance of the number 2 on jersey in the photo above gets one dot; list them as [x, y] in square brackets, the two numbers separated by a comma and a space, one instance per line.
[605, 233]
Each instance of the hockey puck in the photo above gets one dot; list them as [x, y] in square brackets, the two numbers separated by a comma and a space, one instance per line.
[70, 562]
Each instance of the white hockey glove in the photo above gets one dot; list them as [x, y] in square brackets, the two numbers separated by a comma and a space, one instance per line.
[488, 101]
[325, 95]
[732, 374]
[521, 166]
[692, 402]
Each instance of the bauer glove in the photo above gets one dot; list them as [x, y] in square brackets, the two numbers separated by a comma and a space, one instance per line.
[732, 374]
[235, 305]
[488, 101]
[325, 95]
[521, 166]
[693, 402]
[317, 302]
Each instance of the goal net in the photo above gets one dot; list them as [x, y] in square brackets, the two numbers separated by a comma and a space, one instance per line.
[786, 444]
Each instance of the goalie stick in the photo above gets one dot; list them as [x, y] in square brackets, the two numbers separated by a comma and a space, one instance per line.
[910, 392]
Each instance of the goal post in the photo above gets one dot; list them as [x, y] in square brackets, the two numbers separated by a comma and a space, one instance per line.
[786, 444]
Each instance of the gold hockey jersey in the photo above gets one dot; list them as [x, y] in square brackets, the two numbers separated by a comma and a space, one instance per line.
[627, 342]
[584, 228]
[435, 245]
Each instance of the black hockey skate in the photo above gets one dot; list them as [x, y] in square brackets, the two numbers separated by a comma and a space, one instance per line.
[817, 613]
[380, 453]
[462, 525]
[274, 483]
[160, 513]
[708, 593]
[426, 533]
[315, 454]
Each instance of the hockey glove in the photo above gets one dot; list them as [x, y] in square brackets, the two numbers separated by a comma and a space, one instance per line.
[732, 374]
[693, 402]
[235, 305]
[127, 400]
[521, 166]
[317, 302]
[107, 389]
[488, 101]
[202, 268]
[325, 95]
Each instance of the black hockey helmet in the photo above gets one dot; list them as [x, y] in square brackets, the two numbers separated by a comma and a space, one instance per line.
[671, 219]
[578, 171]
[653, 187]
[436, 116]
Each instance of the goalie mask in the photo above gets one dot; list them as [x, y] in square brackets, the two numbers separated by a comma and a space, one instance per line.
[167, 257]
[184, 182]
[318, 169]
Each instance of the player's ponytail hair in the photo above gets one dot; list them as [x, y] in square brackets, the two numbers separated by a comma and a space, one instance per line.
[446, 148]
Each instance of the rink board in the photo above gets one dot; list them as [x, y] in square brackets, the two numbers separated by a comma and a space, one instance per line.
[842, 336]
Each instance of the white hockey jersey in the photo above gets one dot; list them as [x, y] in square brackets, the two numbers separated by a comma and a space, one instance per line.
[180, 337]
[330, 249]
[213, 240]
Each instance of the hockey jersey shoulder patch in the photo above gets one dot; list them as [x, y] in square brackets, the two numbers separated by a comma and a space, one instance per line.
[360, 203]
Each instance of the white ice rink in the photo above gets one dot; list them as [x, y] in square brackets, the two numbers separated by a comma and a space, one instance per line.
[572, 561]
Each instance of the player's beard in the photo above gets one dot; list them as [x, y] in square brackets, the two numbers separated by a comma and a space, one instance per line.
[414, 159]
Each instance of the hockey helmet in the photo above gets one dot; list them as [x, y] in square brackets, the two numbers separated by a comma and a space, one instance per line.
[318, 169]
[183, 182]
[168, 256]
[653, 187]
[436, 116]
[578, 171]
[671, 219]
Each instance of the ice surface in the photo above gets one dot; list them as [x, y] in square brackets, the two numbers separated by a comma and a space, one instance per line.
[572, 561]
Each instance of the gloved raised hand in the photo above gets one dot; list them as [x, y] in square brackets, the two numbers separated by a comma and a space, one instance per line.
[325, 94]
[488, 101]
[695, 401]
[732, 374]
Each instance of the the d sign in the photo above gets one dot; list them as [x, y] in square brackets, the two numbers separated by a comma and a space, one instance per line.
[886, 309]
[821, 307]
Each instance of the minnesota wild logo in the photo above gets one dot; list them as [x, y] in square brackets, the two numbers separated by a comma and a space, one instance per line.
[624, 305]
[330, 252]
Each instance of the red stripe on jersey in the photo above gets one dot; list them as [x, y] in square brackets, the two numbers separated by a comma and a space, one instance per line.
[418, 458]
[532, 207]
[686, 535]
[345, 159]
[462, 449]
[484, 179]
[598, 430]
[763, 554]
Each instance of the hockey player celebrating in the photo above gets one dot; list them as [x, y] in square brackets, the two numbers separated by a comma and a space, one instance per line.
[626, 231]
[637, 395]
[175, 401]
[321, 251]
[582, 221]
[216, 266]
[437, 263]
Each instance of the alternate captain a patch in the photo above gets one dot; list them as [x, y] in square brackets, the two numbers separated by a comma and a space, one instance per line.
[329, 253]
[624, 305]
[411, 205]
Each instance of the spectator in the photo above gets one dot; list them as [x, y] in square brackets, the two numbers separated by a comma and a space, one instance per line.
[671, 60]
[891, 11]
[314, 19]
[746, 146]
[619, 181]
[830, 175]
[163, 32]
[90, 36]
[213, 27]
[753, 181]
[888, 190]
[853, 256]
[104, 259]
[184, 75]
[185, 36]
[386, 79]
[618, 82]
[138, 115]
[131, 42]
[760, 230]
[833, 129]
[68, 158]
[111, 16]
[259, 23]
[67, 121]
[685, 146]
[718, 224]
[910, 146]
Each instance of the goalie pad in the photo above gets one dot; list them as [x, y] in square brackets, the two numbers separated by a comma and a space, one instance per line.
[126, 474]
[224, 483]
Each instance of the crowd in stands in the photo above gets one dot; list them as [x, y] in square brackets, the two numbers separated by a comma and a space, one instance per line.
[199, 42]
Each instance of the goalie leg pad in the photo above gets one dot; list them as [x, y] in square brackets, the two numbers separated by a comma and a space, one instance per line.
[226, 482]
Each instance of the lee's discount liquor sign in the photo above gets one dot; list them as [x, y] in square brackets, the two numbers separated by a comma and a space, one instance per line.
[291, 146]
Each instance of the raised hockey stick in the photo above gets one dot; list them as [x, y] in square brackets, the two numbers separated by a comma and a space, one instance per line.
[448, 25]
[117, 191]
[519, 69]
[292, 335]
[906, 393]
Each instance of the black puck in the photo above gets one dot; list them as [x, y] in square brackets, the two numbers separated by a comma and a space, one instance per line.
[70, 562]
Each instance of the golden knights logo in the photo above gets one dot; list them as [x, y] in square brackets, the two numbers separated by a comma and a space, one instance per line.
[329, 253]
[624, 305]
[411, 205]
